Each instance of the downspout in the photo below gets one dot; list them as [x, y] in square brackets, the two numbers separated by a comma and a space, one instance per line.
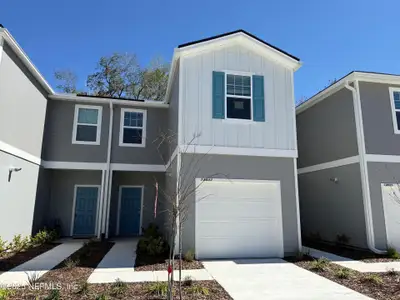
[107, 177]
[363, 167]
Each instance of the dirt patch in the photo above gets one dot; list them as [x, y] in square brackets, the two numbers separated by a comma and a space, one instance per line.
[11, 260]
[137, 291]
[353, 253]
[380, 286]
[160, 263]
[69, 276]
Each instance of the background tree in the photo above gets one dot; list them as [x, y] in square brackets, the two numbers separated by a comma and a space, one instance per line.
[66, 81]
[120, 75]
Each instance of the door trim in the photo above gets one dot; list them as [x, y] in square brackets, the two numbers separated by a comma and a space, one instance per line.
[76, 186]
[119, 205]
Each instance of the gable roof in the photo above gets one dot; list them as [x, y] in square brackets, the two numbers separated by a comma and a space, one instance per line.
[238, 36]
[234, 32]
[365, 76]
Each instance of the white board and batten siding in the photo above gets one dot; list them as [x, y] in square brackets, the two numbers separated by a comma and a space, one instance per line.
[277, 132]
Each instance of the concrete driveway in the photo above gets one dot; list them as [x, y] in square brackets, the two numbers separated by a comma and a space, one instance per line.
[275, 279]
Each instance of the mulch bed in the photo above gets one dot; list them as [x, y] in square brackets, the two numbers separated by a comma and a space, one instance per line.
[10, 260]
[151, 263]
[68, 279]
[137, 291]
[353, 253]
[389, 289]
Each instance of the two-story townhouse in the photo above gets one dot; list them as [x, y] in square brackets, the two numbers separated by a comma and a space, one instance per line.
[349, 155]
[230, 103]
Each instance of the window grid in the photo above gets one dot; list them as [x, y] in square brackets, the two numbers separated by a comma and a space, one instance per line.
[396, 107]
[133, 120]
[238, 86]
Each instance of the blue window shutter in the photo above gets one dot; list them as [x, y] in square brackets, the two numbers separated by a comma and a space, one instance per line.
[218, 97]
[258, 98]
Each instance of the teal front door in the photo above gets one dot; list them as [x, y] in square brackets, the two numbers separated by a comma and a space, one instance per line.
[130, 207]
[86, 199]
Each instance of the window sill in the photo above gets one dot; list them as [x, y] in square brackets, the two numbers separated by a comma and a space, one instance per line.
[132, 145]
[239, 121]
[86, 143]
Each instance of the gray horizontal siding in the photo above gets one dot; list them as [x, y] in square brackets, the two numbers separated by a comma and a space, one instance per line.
[22, 105]
[331, 209]
[327, 130]
[377, 119]
[58, 144]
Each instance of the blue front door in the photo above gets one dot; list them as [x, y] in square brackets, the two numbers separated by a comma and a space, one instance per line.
[129, 213]
[85, 211]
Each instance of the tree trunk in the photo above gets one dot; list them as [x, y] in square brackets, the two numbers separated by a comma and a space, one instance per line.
[171, 259]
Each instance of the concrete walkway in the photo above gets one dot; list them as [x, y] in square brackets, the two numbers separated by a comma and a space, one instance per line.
[119, 264]
[275, 279]
[356, 265]
[39, 265]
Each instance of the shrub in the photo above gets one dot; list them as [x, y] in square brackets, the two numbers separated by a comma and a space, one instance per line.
[199, 290]
[315, 236]
[392, 253]
[54, 295]
[320, 264]
[158, 288]
[342, 239]
[33, 278]
[156, 246]
[373, 278]
[119, 287]
[3, 245]
[5, 293]
[189, 255]
[102, 297]
[83, 288]
[188, 281]
[69, 263]
[392, 272]
[20, 243]
[151, 231]
[343, 273]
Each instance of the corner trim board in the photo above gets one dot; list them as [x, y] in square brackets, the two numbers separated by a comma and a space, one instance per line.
[137, 167]
[331, 164]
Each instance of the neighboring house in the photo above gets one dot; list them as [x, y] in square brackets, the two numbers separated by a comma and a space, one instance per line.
[349, 161]
[90, 164]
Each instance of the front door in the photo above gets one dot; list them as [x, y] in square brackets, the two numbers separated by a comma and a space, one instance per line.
[130, 206]
[86, 201]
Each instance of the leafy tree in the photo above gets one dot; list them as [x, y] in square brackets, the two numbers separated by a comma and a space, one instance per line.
[66, 81]
[155, 80]
[118, 75]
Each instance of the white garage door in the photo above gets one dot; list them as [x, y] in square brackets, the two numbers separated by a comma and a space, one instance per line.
[391, 207]
[239, 219]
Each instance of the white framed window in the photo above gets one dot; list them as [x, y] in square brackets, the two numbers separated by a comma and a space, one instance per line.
[132, 132]
[87, 125]
[395, 105]
[238, 93]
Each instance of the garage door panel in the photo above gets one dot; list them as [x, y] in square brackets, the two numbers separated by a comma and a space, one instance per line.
[391, 206]
[238, 219]
[241, 228]
[211, 210]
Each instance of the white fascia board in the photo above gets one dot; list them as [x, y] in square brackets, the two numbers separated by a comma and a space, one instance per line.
[67, 165]
[331, 164]
[7, 148]
[25, 59]
[360, 76]
[137, 167]
[101, 100]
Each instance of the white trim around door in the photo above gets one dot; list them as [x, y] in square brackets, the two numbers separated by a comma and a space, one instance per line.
[74, 205]
[141, 205]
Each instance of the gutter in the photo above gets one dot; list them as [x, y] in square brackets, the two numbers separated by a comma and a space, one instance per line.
[107, 185]
[363, 167]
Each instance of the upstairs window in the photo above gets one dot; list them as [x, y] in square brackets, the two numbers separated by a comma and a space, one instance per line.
[238, 97]
[132, 128]
[87, 125]
[395, 104]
